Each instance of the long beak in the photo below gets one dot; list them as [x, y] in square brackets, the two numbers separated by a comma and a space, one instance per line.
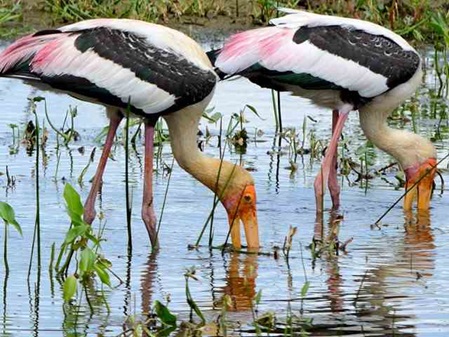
[422, 176]
[246, 213]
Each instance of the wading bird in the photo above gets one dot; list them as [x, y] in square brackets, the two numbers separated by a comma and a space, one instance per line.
[153, 72]
[341, 64]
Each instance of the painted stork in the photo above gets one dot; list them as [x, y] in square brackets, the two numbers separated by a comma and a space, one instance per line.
[341, 64]
[153, 71]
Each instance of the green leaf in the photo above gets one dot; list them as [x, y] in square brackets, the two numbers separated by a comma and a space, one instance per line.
[73, 200]
[75, 232]
[258, 297]
[8, 215]
[253, 109]
[164, 314]
[102, 274]
[69, 287]
[76, 219]
[91, 237]
[192, 304]
[101, 135]
[105, 262]
[87, 260]
[213, 118]
[305, 289]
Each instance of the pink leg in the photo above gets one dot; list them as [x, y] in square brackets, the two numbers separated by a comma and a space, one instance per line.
[148, 214]
[323, 174]
[89, 206]
[334, 188]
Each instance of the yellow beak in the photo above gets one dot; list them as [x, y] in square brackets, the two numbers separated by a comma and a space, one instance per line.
[419, 184]
[244, 211]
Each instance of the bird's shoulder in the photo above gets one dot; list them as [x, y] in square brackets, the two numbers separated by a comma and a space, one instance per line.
[297, 19]
[140, 36]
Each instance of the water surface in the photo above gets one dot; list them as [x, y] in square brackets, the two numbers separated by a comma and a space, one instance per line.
[391, 281]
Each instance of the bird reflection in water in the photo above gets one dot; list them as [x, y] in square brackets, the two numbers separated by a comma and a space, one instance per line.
[241, 274]
[387, 286]
[419, 242]
[147, 283]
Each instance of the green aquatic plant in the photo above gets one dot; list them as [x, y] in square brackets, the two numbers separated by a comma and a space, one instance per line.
[8, 216]
[159, 322]
[236, 133]
[34, 140]
[165, 317]
[190, 274]
[10, 179]
[161, 134]
[82, 245]
[68, 135]
[288, 241]
[84, 170]
[367, 156]
[14, 147]
[439, 23]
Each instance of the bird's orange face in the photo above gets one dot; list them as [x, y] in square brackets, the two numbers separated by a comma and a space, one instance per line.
[422, 175]
[242, 208]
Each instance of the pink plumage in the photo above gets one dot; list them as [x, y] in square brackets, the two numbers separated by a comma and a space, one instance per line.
[23, 49]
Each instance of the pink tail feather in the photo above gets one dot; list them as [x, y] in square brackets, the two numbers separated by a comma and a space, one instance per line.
[22, 51]
[244, 49]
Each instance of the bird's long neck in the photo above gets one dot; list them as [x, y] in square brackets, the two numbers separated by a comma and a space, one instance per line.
[406, 147]
[183, 127]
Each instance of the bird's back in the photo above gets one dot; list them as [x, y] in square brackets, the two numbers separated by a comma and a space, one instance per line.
[153, 69]
[324, 58]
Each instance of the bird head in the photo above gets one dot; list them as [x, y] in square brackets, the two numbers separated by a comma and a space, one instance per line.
[238, 196]
[419, 184]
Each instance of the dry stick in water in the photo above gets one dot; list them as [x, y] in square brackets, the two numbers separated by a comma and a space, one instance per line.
[407, 191]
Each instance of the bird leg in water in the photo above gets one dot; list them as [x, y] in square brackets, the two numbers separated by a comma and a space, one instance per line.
[323, 174]
[148, 214]
[89, 206]
[334, 188]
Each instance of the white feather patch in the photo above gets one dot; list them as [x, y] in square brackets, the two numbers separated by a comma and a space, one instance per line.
[119, 81]
[307, 58]
[277, 51]
[160, 36]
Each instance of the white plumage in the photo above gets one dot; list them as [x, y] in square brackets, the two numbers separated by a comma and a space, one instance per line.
[148, 70]
[344, 64]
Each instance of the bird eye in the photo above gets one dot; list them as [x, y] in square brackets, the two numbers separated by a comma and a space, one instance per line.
[247, 198]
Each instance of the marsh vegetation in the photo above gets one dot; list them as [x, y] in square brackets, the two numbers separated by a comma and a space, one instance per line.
[371, 278]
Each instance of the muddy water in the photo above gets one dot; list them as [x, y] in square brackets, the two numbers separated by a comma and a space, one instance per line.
[391, 281]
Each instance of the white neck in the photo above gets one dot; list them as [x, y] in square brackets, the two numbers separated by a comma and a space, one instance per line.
[183, 127]
[406, 147]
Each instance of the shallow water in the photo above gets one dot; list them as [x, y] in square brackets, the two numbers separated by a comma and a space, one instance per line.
[391, 281]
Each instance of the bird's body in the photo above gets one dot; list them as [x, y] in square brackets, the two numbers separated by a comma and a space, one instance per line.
[342, 64]
[150, 71]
